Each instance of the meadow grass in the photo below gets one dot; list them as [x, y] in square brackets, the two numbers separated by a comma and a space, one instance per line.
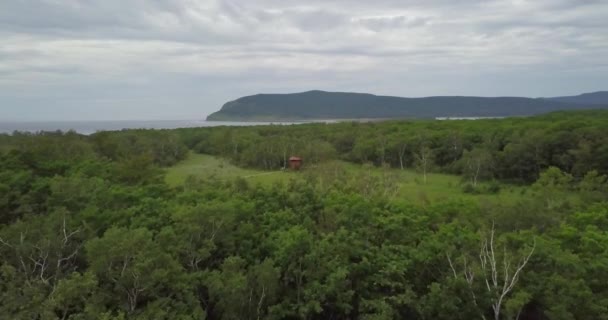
[211, 167]
[409, 183]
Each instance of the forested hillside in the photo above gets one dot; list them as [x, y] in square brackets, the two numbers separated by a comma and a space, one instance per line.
[514, 149]
[343, 105]
[89, 229]
[593, 98]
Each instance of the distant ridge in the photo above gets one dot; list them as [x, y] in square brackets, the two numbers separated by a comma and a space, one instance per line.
[318, 104]
[599, 97]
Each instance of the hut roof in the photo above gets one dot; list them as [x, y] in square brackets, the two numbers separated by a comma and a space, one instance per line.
[293, 158]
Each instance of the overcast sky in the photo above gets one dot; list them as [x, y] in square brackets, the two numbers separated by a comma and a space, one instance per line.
[182, 59]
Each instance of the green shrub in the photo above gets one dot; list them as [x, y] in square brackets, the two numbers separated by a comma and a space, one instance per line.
[469, 188]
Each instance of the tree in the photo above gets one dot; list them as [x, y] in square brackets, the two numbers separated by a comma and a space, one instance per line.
[553, 184]
[240, 293]
[424, 161]
[286, 145]
[496, 271]
[400, 145]
[196, 232]
[594, 187]
[73, 295]
[364, 150]
[133, 268]
[476, 164]
[42, 248]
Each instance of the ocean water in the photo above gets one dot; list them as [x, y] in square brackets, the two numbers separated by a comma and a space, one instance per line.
[89, 127]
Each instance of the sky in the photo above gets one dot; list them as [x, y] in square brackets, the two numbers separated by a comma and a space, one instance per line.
[183, 59]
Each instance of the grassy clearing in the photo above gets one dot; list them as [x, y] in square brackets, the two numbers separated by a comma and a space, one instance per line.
[411, 186]
[207, 166]
[408, 183]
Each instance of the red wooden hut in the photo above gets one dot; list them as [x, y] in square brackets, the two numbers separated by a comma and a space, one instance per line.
[295, 163]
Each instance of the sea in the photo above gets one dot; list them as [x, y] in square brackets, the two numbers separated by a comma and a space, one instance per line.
[90, 127]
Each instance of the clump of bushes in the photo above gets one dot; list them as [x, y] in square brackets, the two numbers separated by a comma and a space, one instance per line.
[489, 188]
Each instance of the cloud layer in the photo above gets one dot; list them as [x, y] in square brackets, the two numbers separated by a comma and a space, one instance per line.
[181, 59]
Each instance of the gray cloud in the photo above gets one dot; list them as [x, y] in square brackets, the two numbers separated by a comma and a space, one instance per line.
[114, 59]
[379, 24]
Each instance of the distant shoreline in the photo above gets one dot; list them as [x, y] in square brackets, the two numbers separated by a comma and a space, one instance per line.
[90, 127]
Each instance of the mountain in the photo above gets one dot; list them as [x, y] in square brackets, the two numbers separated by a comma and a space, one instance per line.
[600, 97]
[344, 105]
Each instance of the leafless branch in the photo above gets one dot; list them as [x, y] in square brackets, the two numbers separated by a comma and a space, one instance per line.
[497, 285]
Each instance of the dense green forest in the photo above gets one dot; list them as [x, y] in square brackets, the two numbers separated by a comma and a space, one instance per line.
[347, 105]
[90, 229]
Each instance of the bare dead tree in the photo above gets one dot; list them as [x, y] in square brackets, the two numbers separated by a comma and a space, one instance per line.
[424, 159]
[474, 166]
[498, 278]
[382, 144]
[261, 302]
[477, 163]
[402, 149]
[47, 257]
